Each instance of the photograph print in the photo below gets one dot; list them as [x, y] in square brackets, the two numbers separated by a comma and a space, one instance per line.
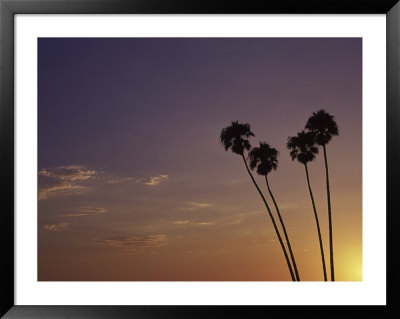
[199, 159]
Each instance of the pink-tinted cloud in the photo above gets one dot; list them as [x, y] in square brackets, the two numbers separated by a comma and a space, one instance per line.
[57, 227]
[134, 243]
[86, 211]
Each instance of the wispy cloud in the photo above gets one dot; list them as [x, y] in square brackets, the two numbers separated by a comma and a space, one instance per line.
[194, 223]
[156, 180]
[61, 188]
[122, 180]
[134, 243]
[148, 181]
[65, 180]
[57, 227]
[199, 205]
[69, 173]
[211, 223]
[190, 206]
[86, 211]
[224, 220]
[181, 222]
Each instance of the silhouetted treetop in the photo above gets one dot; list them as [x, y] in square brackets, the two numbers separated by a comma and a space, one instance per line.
[302, 147]
[235, 137]
[264, 157]
[323, 125]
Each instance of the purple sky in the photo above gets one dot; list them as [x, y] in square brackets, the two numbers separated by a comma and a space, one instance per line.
[144, 97]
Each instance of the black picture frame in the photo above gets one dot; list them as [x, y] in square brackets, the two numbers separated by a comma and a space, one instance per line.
[8, 8]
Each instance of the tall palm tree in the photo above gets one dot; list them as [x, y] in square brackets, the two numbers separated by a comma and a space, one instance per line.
[235, 137]
[302, 148]
[324, 127]
[265, 159]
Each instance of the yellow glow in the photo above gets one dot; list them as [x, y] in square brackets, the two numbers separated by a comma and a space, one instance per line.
[351, 269]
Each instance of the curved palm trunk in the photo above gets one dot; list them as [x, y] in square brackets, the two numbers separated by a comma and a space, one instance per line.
[284, 231]
[272, 219]
[329, 216]
[318, 228]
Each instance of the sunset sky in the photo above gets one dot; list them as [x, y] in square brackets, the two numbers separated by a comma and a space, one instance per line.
[134, 184]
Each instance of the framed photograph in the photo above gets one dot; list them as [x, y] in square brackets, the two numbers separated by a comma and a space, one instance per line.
[174, 159]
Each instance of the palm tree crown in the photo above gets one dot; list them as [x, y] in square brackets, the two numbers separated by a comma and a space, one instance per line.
[265, 158]
[323, 125]
[302, 147]
[235, 137]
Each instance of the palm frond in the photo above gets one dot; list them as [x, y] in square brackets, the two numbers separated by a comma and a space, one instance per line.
[235, 137]
[323, 125]
[302, 147]
[264, 158]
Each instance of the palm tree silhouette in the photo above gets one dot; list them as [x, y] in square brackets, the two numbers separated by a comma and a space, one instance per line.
[324, 127]
[235, 137]
[302, 148]
[265, 159]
